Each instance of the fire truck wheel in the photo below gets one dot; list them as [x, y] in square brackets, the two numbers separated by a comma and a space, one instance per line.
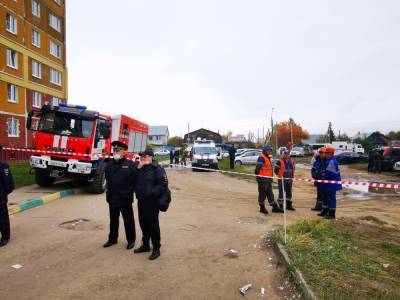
[99, 181]
[43, 178]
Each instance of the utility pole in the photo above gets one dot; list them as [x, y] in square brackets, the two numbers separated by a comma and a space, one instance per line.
[263, 134]
[272, 124]
[291, 130]
[258, 136]
[276, 135]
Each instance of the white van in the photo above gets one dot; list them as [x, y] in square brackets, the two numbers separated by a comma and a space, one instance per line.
[204, 155]
[348, 147]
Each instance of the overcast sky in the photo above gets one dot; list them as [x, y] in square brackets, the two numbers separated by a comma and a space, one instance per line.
[224, 64]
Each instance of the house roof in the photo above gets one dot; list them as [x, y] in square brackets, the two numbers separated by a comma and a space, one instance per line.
[158, 130]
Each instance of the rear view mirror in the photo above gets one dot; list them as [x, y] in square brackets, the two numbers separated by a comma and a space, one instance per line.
[29, 120]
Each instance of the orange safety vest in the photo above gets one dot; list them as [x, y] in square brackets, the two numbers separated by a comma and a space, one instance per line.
[283, 168]
[266, 169]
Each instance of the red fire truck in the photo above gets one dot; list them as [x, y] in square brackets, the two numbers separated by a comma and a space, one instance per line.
[72, 140]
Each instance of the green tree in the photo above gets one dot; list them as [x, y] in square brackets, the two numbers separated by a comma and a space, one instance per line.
[175, 141]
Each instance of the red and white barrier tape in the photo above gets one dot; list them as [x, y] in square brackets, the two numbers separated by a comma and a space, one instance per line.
[383, 185]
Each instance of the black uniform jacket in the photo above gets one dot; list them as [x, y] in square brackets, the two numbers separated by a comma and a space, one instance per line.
[121, 177]
[6, 182]
[151, 183]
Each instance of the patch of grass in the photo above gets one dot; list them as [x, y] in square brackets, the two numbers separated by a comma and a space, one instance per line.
[161, 158]
[373, 219]
[224, 165]
[21, 174]
[345, 260]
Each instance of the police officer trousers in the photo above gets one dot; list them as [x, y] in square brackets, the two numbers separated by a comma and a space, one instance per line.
[129, 223]
[265, 191]
[288, 190]
[329, 199]
[4, 222]
[149, 223]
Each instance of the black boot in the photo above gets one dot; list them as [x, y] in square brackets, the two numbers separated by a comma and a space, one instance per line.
[318, 206]
[276, 208]
[323, 212]
[142, 249]
[263, 210]
[289, 206]
[130, 245]
[331, 214]
[155, 254]
[109, 244]
[4, 243]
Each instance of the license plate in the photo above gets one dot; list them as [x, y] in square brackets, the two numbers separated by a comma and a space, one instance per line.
[57, 163]
[205, 165]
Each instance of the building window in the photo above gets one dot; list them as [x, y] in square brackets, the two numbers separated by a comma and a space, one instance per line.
[36, 69]
[35, 38]
[56, 101]
[36, 8]
[12, 91]
[55, 49]
[36, 99]
[13, 127]
[12, 59]
[11, 24]
[55, 76]
[55, 22]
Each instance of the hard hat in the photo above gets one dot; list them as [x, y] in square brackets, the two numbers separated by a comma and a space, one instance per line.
[267, 148]
[322, 150]
[330, 150]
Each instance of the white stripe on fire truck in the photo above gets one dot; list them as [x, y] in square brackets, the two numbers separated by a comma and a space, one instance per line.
[64, 141]
[56, 141]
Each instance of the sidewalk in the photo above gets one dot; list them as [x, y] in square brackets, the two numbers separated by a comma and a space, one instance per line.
[34, 191]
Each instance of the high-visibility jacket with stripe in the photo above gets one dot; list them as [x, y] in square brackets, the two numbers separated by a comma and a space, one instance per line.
[331, 171]
[266, 169]
[284, 168]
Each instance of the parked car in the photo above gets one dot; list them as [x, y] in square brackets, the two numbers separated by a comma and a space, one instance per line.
[241, 151]
[297, 151]
[391, 155]
[280, 150]
[396, 166]
[248, 158]
[351, 158]
[161, 153]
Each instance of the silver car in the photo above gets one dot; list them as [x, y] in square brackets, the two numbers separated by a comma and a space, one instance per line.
[248, 158]
[396, 166]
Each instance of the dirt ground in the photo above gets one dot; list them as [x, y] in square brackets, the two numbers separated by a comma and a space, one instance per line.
[210, 212]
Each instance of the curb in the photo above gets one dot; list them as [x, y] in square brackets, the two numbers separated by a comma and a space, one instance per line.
[295, 273]
[32, 203]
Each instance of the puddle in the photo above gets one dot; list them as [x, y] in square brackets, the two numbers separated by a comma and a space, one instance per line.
[81, 225]
[359, 192]
[251, 220]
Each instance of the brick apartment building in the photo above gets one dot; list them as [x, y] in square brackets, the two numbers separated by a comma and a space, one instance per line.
[32, 63]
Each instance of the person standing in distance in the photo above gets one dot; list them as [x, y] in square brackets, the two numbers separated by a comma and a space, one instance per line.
[284, 169]
[121, 176]
[330, 172]
[6, 187]
[316, 174]
[232, 155]
[151, 183]
[264, 168]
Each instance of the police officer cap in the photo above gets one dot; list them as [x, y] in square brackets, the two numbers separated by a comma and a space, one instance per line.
[267, 148]
[119, 145]
[146, 152]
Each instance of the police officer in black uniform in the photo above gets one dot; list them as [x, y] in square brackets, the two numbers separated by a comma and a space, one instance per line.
[151, 183]
[121, 176]
[6, 187]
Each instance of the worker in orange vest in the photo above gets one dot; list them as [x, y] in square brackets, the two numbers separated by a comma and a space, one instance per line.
[264, 170]
[284, 169]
